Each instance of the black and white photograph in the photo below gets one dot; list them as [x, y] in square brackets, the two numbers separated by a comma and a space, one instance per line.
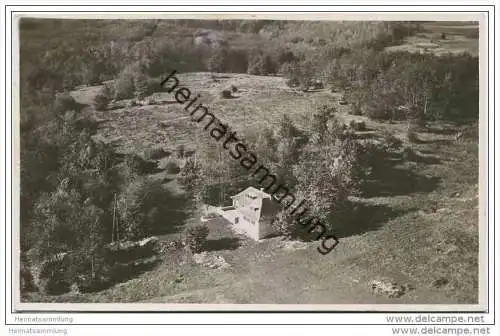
[231, 161]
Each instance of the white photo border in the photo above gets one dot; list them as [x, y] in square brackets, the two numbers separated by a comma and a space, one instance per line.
[314, 314]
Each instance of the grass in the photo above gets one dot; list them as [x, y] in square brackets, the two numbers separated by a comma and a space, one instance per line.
[414, 228]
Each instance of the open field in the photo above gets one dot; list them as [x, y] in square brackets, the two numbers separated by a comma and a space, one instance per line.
[419, 223]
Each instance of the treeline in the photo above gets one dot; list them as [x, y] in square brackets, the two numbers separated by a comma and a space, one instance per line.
[430, 87]
[396, 85]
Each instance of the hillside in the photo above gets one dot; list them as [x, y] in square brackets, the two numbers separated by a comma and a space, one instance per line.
[109, 157]
[417, 230]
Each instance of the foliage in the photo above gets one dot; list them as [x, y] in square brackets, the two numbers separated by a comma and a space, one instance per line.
[224, 59]
[218, 61]
[124, 84]
[190, 175]
[142, 86]
[411, 135]
[154, 153]
[284, 224]
[261, 63]
[392, 141]
[65, 102]
[102, 99]
[172, 167]
[226, 94]
[139, 165]
[140, 208]
[195, 238]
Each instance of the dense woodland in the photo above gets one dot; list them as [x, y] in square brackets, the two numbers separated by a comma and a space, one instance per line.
[75, 190]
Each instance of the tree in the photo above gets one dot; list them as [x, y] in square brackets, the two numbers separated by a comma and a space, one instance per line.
[261, 64]
[140, 207]
[218, 61]
[141, 86]
[102, 99]
[124, 84]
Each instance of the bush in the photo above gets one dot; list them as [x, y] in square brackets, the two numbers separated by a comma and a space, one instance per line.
[138, 165]
[172, 167]
[141, 209]
[65, 102]
[357, 125]
[155, 153]
[409, 154]
[26, 278]
[143, 86]
[284, 225]
[180, 151]
[226, 94]
[411, 135]
[124, 85]
[102, 99]
[392, 141]
[261, 64]
[218, 61]
[355, 110]
[195, 238]
[234, 89]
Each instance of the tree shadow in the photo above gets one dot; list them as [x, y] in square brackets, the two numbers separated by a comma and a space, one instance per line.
[226, 243]
[357, 218]
[434, 141]
[365, 135]
[171, 215]
[441, 131]
[412, 156]
[393, 181]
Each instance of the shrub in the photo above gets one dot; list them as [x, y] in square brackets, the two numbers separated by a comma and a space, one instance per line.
[172, 167]
[195, 238]
[261, 64]
[218, 61]
[140, 208]
[355, 110]
[65, 102]
[138, 165]
[392, 141]
[409, 154]
[124, 85]
[284, 224]
[226, 94]
[234, 89]
[155, 153]
[292, 82]
[143, 86]
[102, 99]
[377, 113]
[357, 125]
[26, 278]
[411, 135]
[180, 151]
